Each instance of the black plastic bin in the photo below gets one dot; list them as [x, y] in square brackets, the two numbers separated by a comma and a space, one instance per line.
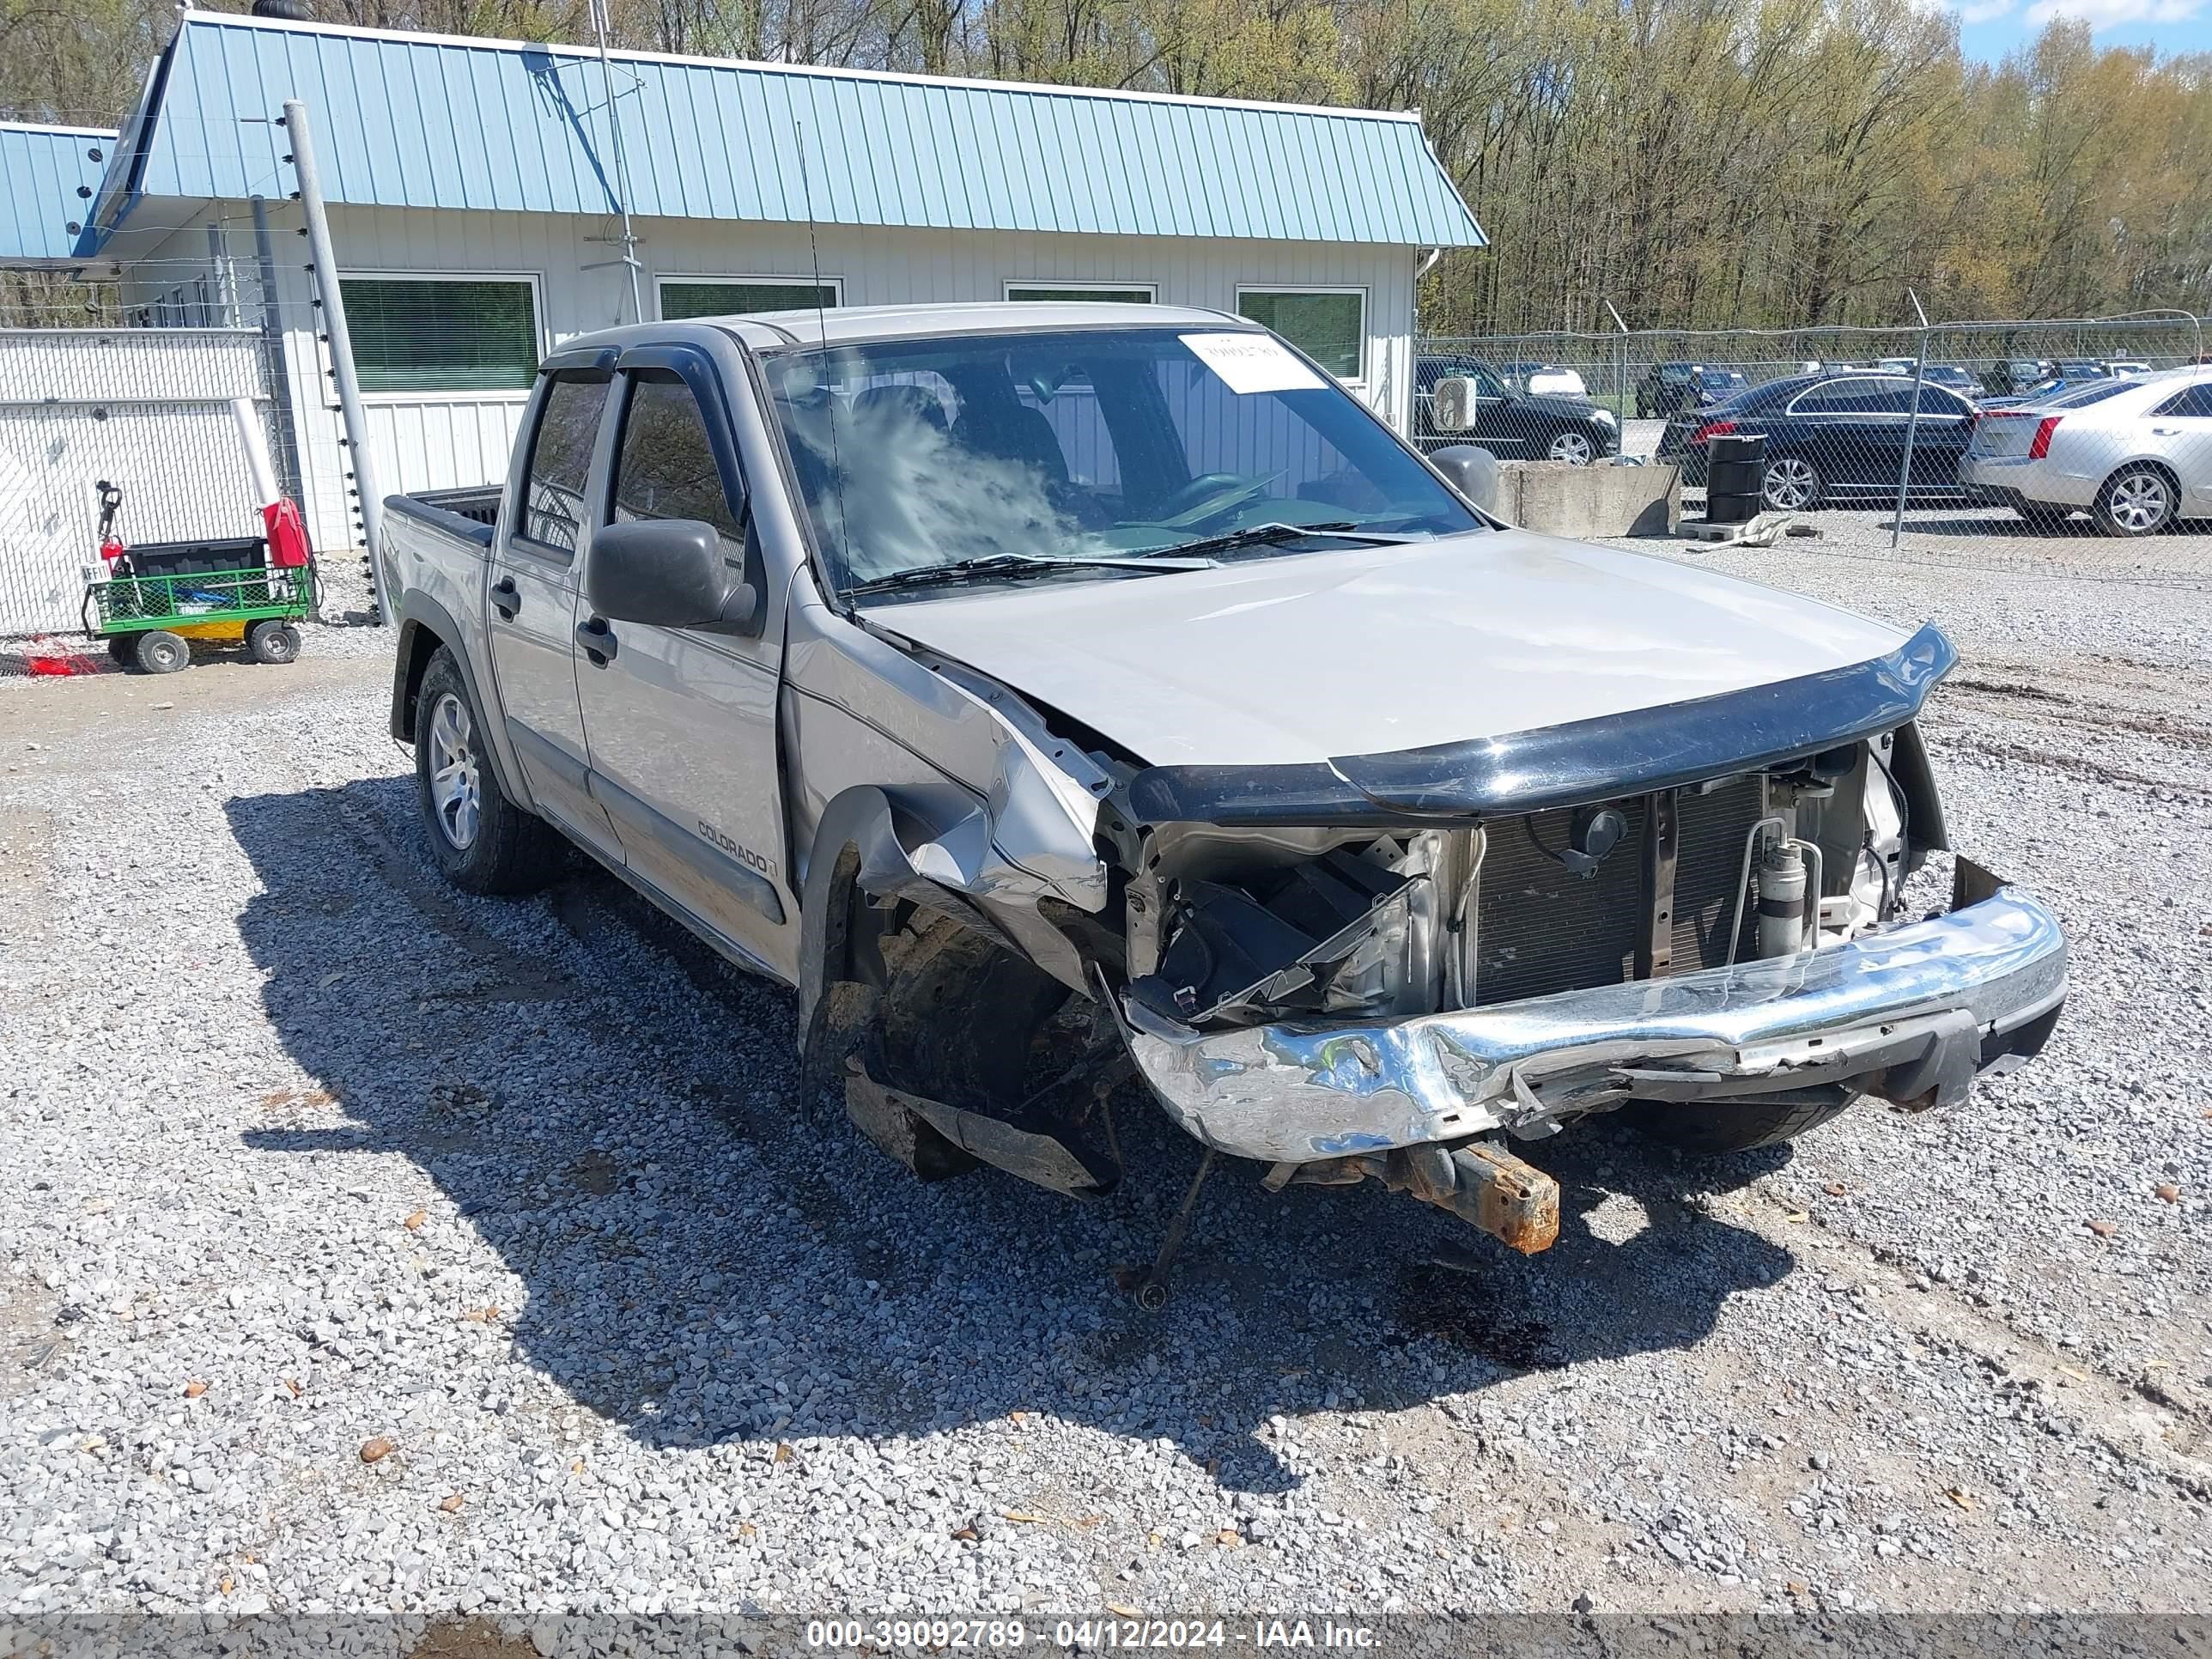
[195, 558]
[1733, 465]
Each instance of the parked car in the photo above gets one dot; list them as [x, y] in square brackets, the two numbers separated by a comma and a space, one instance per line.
[2018, 374]
[1511, 424]
[1834, 439]
[1545, 379]
[1943, 374]
[1668, 388]
[1108, 676]
[2051, 386]
[2135, 454]
[2127, 366]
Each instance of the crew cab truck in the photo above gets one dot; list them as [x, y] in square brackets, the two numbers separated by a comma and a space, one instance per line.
[1053, 693]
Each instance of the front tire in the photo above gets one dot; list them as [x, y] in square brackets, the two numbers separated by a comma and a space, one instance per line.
[1575, 448]
[1714, 1128]
[2137, 500]
[1790, 484]
[159, 652]
[482, 841]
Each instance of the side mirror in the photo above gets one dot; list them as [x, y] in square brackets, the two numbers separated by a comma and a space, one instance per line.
[1451, 404]
[668, 572]
[1472, 470]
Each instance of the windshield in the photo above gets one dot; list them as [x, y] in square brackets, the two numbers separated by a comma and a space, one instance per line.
[1021, 449]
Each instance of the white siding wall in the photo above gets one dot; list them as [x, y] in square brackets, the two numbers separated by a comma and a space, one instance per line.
[443, 438]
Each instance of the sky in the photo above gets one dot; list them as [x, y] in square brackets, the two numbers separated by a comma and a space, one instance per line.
[1991, 28]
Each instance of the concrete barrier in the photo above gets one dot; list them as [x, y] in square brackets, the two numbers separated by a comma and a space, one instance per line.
[1601, 499]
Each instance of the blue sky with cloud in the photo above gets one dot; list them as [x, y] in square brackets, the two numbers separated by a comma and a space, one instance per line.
[1991, 28]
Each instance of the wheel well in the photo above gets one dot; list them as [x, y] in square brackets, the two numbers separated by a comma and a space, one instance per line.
[417, 644]
[2148, 464]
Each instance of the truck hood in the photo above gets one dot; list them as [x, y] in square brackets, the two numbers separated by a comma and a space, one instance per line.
[1300, 659]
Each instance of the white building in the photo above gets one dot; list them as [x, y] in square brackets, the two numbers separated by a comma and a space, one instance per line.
[477, 190]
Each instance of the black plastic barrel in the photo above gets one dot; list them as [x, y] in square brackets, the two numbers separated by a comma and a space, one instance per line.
[1734, 463]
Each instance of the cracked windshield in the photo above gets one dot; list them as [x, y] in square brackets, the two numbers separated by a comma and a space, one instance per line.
[1087, 455]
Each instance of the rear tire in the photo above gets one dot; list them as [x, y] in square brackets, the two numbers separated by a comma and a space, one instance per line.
[1790, 484]
[1712, 1128]
[159, 652]
[2137, 501]
[482, 841]
[272, 642]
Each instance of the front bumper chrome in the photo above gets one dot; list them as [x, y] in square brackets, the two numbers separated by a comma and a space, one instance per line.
[1914, 1015]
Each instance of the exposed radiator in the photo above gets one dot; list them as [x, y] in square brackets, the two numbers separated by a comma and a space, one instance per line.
[1541, 928]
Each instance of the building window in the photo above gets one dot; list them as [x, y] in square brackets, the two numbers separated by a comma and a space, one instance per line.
[1126, 294]
[741, 296]
[435, 334]
[1329, 324]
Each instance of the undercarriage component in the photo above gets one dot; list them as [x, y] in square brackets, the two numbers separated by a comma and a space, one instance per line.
[1483, 1185]
[1150, 1285]
[1038, 1149]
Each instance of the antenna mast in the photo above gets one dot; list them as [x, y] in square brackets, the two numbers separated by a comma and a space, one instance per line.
[628, 240]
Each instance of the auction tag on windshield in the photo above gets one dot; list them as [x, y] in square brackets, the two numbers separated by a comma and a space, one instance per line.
[1252, 363]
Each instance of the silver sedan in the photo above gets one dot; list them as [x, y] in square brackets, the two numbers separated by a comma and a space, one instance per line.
[2135, 455]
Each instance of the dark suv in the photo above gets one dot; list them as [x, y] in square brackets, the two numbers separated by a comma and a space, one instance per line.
[1669, 388]
[1513, 425]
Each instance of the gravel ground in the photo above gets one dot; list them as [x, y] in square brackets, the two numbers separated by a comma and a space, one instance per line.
[366, 1248]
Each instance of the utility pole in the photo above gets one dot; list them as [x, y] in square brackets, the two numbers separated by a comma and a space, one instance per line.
[324, 270]
[1911, 422]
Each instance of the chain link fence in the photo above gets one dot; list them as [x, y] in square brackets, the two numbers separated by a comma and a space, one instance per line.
[1980, 442]
[130, 380]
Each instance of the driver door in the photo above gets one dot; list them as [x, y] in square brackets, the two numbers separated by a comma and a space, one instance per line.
[681, 723]
[1501, 425]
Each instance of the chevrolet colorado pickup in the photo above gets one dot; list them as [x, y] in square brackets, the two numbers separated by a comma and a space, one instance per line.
[1055, 693]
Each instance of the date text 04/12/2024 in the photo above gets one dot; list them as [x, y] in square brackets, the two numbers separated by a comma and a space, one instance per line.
[1085, 1635]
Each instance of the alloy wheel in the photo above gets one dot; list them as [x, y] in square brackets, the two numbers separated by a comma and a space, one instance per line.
[2140, 502]
[1573, 447]
[1790, 485]
[456, 789]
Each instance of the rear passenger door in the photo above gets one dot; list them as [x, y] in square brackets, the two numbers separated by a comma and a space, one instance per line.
[530, 611]
[680, 723]
[2181, 432]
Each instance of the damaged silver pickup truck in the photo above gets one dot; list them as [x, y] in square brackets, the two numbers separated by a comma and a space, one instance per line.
[1053, 693]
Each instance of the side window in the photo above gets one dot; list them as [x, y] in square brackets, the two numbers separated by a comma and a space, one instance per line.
[560, 459]
[666, 468]
[2191, 400]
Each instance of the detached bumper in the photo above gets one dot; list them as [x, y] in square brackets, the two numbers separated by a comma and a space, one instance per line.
[1913, 1015]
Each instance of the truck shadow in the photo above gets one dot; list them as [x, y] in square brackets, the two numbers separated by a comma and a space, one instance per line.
[609, 1109]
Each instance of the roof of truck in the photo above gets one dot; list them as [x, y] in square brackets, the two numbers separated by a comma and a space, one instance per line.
[848, 325]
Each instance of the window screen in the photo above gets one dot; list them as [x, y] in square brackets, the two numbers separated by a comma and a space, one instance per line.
[560, 460]
[721, 299]
[1331, 327]
[412, 334]
[666, 469]
[1113, 296]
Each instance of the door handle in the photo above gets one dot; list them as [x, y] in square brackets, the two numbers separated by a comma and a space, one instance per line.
[2166, 431]
[597, 640]
[505, 598]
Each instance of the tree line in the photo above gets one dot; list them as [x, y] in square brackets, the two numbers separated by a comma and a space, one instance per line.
[1699, 163]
